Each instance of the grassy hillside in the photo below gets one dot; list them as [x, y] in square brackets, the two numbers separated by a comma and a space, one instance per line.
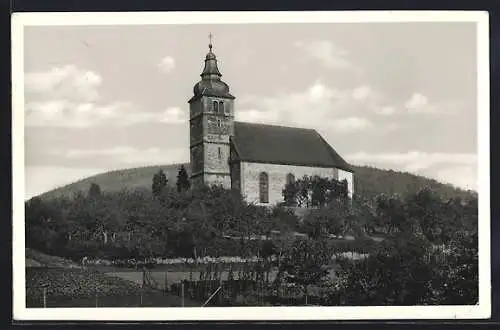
[369, 181]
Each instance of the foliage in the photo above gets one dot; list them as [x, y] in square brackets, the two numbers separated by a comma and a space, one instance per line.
[94, 190]
[131, 223]
[305, 263]
[403, 269]
[393, 275]
[314, 191]
[409, 269]
[457, 279]
[159, 183]
[183, 182]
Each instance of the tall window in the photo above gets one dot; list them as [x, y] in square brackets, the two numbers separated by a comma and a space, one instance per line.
[290, 178]
[221, 107]
[264, 187]
[216, 106]
[220, 153]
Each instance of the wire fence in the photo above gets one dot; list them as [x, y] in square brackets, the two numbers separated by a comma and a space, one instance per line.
[146, 298]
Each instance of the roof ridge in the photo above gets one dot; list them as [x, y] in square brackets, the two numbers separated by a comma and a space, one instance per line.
[274, 125]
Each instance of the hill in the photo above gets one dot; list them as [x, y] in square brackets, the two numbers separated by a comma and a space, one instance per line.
[368, 182]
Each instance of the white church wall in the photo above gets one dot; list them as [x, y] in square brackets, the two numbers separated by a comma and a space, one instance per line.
[277, 178]
[344, 175]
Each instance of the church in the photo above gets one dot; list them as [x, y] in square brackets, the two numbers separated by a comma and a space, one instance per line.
[256, 159]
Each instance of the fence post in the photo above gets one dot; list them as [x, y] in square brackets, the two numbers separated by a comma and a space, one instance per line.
[221, 286]
[44, 297]
[142, 293]
[165, 281]
[182, 293]
[96, 300]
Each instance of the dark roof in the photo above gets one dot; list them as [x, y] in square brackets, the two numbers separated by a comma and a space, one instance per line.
[284, 145]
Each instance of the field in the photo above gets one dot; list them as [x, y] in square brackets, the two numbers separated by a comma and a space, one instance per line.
[73, 287]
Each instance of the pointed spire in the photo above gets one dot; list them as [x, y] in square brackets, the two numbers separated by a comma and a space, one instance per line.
[210, 71]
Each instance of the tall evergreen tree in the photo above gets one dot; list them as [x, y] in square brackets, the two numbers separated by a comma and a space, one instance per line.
[159, 183]
[94, 190]
[183, 180]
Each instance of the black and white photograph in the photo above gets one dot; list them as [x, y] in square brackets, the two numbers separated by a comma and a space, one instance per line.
[251, 165]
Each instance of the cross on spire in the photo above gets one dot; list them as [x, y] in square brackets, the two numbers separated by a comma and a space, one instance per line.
[210, 41]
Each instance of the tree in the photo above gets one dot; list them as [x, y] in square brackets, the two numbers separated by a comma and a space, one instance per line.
[391, 213]
[457, 278]
[183, 183]
[314, 190]
[428, 209]
[94, 190]
[159, 183]
[305, 263]
[45, 227]
[395, 274]
[290, 193]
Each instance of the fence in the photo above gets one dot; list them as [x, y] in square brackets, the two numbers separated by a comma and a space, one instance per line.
[147, 298]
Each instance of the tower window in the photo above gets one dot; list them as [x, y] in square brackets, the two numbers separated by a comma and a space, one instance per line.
[290, 178]
[219, 123]
[221, 108]
[216, 106]
[264, 187]
[220, 153]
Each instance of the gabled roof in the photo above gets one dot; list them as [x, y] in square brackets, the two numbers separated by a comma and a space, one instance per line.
[284, 145]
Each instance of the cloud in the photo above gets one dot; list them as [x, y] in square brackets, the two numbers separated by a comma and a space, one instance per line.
[127, 155]
[361, 93]
[65, 113]
[317, 106]
[419, 104]
[385, 110]
[460, 176]
[329, 54]
[416, 101]
[455, 168]
[167, 64]
[67, 82]
[415, 159]
[69, 97]
[173, 115]
[350, 124]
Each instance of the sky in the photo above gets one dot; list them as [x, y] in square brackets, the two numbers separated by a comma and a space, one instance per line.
[399, 96]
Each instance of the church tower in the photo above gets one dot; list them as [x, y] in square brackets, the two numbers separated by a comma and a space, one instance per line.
[211, 126]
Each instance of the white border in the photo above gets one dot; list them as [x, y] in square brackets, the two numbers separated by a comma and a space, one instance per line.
[20, 312]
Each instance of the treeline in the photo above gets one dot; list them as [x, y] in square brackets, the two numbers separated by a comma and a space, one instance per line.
[171, 222]
[141, 223]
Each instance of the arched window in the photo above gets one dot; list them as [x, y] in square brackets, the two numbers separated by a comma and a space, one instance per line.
[290, 178]
[216, 106]
[264, 187]
[221, 107]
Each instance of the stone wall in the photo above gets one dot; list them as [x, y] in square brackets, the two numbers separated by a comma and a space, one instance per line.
[277, 178]
[216, 158]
